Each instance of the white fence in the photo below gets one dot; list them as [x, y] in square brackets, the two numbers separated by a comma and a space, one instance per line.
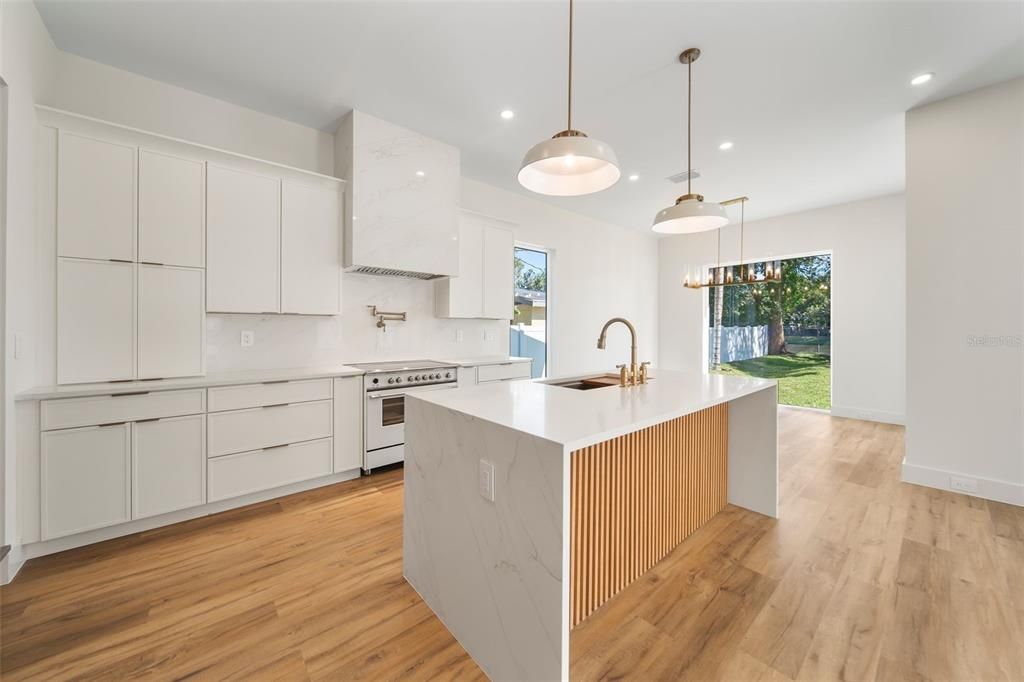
[741, 343]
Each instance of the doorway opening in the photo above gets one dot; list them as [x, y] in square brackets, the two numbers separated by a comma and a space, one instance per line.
[528, 335]
[778, 330]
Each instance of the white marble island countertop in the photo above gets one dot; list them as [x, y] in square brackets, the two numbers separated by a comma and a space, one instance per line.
[576, 419]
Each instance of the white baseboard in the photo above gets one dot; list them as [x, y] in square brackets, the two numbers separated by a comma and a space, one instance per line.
[869, 415]
[45, 547]
[988, 488]
[9, 566]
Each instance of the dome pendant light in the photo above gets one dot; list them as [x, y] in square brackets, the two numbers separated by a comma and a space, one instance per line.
[570, 163]
[690, 213]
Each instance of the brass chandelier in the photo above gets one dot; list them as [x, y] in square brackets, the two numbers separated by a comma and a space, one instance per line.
[756, 272]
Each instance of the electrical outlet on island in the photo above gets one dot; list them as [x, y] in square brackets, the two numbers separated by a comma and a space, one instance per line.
[248, 339]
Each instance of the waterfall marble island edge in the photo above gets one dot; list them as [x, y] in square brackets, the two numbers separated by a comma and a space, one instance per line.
[590, 489]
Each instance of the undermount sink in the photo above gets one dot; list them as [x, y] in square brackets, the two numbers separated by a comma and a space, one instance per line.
[586, 383]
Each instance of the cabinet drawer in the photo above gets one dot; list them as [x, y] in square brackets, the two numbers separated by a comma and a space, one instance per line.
[507, 370]
[264, 427]
[63, 413]
[250, 472]
[270, 393]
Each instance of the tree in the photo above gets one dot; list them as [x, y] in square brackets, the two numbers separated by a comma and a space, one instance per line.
[529, 277]
[802, 299]
[716, 341]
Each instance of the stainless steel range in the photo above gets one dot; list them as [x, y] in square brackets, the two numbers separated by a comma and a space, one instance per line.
[386, 385]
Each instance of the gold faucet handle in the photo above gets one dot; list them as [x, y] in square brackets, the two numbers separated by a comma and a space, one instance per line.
[643, 371]
[623, 375]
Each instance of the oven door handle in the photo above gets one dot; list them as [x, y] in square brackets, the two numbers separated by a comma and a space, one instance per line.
[377, 395]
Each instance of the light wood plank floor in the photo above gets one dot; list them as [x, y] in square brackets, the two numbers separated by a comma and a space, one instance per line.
[863, 577]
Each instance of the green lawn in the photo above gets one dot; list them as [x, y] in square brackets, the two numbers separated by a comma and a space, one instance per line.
[808, 340]
[804, 379]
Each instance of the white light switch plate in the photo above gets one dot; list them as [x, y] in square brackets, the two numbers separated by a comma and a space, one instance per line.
[458, 336]
[487, 480]
[248, 339]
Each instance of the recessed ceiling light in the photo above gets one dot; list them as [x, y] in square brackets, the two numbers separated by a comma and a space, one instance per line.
[922, 79]
[508, 114]
[634, 177]
[420, 173]
[725, 145]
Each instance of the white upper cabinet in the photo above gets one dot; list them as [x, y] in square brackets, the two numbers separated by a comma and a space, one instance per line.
[310, 251]
[172, 322]
[243, 223]
[172, 210]
[484, 287]
[498, 272]
[405, 193]
[95, 321]
[96, 199]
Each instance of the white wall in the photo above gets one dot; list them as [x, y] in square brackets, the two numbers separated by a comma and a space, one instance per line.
[965, 291]
[112, 94]
[28, 66]
[597, 271]
[866, 239]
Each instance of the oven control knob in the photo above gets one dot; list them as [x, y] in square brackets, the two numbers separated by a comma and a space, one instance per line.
[391, 380]
[448, 375]
[435, 376]
[418, 377]
[376, 381]
[398, 380]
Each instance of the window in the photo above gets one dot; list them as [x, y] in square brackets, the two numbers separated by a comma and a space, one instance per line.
[528, 334]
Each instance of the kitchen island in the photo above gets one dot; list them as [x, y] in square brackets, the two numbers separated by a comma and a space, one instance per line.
[528, 504]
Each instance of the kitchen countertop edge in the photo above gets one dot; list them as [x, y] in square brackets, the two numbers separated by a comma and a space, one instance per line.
[213, 379]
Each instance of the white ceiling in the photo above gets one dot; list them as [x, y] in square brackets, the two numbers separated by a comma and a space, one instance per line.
[811, 93]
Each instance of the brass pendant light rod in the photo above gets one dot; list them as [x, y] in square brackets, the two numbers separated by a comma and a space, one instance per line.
[568, 125]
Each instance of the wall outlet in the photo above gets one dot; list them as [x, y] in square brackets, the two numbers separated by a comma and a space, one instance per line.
[963, 484]
[488, 335]
[248, 339]
[487, 480]
[458, 336]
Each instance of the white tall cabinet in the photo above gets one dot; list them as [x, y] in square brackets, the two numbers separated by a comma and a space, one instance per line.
[96, 198]
[172, 210]
[95, 320]
[244, 223]
[484, 288]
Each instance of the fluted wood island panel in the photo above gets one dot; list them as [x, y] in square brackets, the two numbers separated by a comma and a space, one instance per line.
[635, 497]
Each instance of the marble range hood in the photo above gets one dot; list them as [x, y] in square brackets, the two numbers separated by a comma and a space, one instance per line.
[402, 196]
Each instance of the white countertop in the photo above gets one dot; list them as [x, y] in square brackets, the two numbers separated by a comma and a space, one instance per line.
[254, 376]
[576, 419]
[483, 360]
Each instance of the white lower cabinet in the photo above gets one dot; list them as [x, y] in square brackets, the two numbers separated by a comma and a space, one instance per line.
[263, 427]
[106, 460]
[168, 465]
[250, 472]
[505, 371]
[348, 423]
[84, 479]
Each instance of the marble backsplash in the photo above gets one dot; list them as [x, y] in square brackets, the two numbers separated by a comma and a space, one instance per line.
[308, 341]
